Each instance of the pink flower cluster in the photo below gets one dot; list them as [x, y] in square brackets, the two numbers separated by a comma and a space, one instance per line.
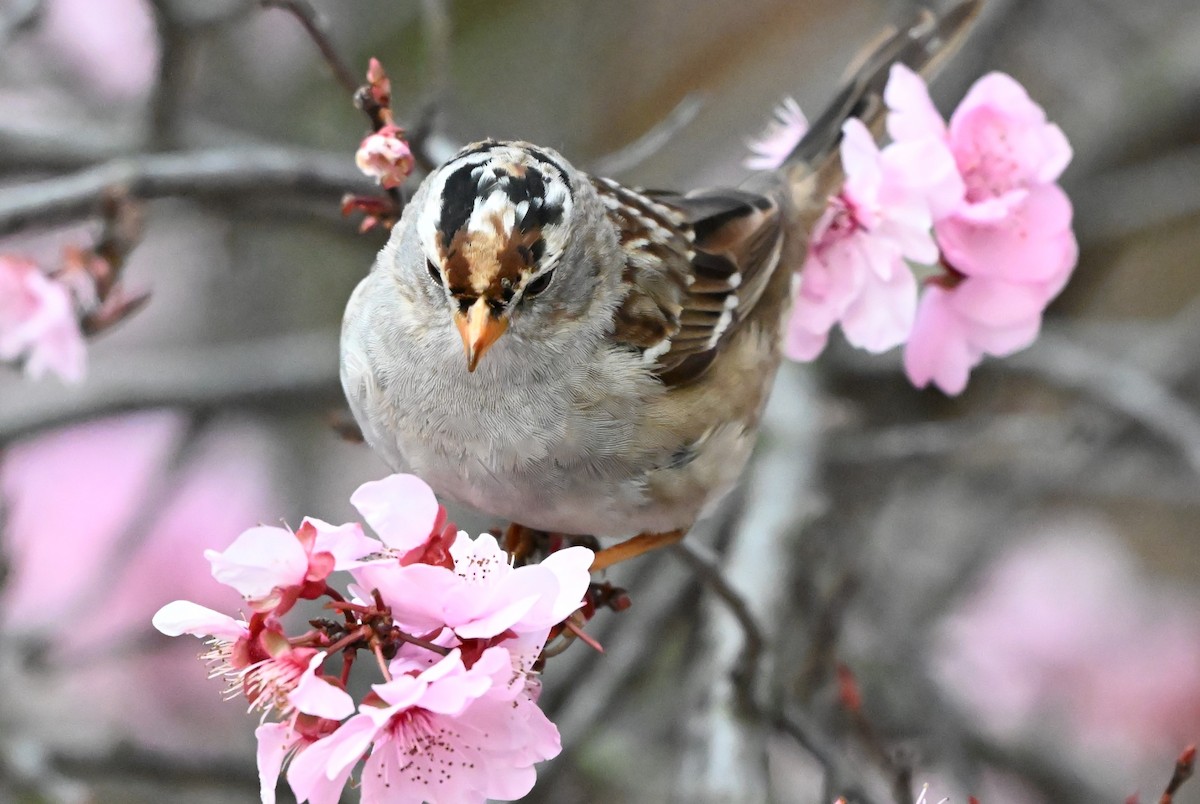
[976, 202]
[38, 322]
[454, 629]
[385, 156]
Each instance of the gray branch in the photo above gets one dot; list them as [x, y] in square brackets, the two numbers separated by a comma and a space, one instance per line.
[299, 370]
[261, 171]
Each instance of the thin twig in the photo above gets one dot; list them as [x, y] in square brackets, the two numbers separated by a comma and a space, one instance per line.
[21, 16]
[315, 25]
[706, 568]
[844, 777]
[177, 47]
[633, 154]
[1185, 766]
[1119, 385]
[194, 174]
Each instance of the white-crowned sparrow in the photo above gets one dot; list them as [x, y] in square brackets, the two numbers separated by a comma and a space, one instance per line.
[620, 344]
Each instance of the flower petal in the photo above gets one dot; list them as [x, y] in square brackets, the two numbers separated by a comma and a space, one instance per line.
[401, 509]
[259, 560]
[185, 617]
[314, 695]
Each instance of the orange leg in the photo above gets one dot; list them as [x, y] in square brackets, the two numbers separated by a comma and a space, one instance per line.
[632, 548]
[519, 542]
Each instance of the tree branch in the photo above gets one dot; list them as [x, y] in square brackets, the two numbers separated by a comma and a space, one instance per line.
[317, 29]
[200, 173]
[633, 154]
[298, 370]
[1120, 385]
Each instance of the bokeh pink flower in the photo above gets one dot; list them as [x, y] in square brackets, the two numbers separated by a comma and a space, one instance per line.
[783, 133]
[38, 322]
[1064, 638]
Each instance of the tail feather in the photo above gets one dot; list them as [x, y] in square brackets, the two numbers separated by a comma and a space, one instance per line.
[813, 168]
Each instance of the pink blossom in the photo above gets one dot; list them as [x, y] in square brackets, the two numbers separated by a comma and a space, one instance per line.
[271, 567]
[314, 694]
[483, 595]
[103, 516]
[1008, 246]
[280, 742]
[110, 47]
[38, 322]
[184, 617]
[400, 508]
[770, 149]
[1064, 633]
[256, 657]
[855, 273]
[440, 733]
[385, 156]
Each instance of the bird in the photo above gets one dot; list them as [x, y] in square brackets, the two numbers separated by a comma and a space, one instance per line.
[577, 356]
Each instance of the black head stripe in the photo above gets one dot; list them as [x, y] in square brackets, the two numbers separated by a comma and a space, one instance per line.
[542, 156]
[458, 200]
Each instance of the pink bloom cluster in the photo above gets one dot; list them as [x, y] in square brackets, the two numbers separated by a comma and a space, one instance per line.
[1066, 636]
[385, 156]
[455, 631]
[38, 322]
[976, 202]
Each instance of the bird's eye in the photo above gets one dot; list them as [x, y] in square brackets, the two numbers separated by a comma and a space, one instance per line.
[434, 273]
[540, 284]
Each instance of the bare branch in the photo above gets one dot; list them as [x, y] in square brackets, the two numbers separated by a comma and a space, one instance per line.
[1185, 766]
[315, 25]
[707, 568]
[1127, 200]
[177, 48]
[844, 777]
[650, 143]
[193, 174]
[21, 16]
[298, 371]
[1118, 384]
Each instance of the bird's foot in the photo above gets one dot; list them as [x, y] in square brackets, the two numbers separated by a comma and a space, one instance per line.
[634, 547]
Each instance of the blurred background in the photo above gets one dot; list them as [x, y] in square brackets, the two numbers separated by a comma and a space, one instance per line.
[1011, 577]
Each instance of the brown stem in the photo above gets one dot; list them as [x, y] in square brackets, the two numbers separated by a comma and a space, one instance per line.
[377, 649]
[1184, 767]
[314, 26]
[219, 172]
[362, 632]
[421, 643]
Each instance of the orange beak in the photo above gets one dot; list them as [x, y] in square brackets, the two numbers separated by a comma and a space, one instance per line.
[479, 329]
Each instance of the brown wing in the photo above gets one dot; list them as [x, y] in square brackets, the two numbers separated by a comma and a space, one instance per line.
[697, 265]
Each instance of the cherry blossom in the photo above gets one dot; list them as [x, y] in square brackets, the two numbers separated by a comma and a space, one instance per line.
[483, 595]
[855, 272]
[279, 743]
[453, 627]
[385, 156]
[401, 509]
[440, 733]
[271, 567]
[38, 322]
[770, 149]
[1008, 248]
[1065, 635]
[256, 657]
